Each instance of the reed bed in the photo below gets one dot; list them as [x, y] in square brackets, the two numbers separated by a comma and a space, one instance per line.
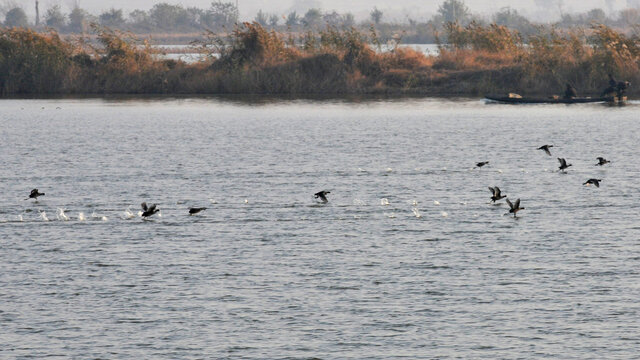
[253, 60]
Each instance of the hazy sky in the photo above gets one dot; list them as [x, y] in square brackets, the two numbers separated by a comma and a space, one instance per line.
[394, 10]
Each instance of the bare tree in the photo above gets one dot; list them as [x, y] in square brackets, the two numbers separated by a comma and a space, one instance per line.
[376, 15]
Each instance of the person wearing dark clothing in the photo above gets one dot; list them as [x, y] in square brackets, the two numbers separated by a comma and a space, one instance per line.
[622, 88]
[616, 88]
[570, 92]
[613, 87]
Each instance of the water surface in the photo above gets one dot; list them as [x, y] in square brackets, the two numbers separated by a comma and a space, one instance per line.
[407, 260]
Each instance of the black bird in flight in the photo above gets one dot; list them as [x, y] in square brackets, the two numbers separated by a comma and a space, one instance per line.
[148, 210]
[322, 195]
[546, 149]
[595, 182]
[515, 207]
[34, 194]
[602, 161]
[482, 163]
[496, 194]
[563, 164]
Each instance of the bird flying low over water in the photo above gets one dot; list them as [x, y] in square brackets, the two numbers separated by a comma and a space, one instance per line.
[595, 182]
[496, 194]
[148, 210]
[322, 195]
[482, 163]
[546, 149]
[515, 207]
[34, 194]
[563, 164]
[602, 161]
[193, 211]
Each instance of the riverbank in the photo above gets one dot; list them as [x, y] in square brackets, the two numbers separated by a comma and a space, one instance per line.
[334, 61]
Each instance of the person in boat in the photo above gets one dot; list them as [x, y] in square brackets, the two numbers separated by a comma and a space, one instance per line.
[622, 89]
[616, 88]
[570, 92]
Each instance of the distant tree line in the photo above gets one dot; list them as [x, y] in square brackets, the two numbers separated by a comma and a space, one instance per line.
[221, 16]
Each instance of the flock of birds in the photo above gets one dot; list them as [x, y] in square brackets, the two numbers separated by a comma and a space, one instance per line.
[147, 210]
[496, 193]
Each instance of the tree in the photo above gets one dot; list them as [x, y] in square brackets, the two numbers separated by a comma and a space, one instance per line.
[332, 18]
[376, 15]
[54, 17]
[195, 16]
[111, 18]
[348, 20]
[630, 17]
[261, 18]
[220, 15]
[597, 16]
[454, 11]
[274, 20]
[312, 18]
[292, 19]
[78, 20]
[510, 18]
[169, 17]
[16, 17]
[139, 17]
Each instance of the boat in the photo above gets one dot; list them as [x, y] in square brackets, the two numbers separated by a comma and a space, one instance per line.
[517, 99]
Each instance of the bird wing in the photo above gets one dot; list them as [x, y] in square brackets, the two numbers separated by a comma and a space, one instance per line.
[596, 183]
[493, 191]
[34, 191]
[510, 204]
[601, 159]
[546, 150]
[562, 161]
[144, 206]
[517, 204]
[152, 208]
[497, 191]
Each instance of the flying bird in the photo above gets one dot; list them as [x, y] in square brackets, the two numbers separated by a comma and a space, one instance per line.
[515, 207]
[482, 163]
[322, 195]
[595, 182]
[546, 149]
[496, 194]
[193, 211]
[148, 210]
[602, 161]
[34, 194]
[563, 164]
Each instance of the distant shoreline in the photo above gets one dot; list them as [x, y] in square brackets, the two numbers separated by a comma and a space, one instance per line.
[333, 62]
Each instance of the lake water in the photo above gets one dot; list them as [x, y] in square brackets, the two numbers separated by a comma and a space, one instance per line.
[407, 260]
[191, 54]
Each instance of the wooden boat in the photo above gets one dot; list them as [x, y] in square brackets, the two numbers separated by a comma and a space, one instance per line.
[517, 99]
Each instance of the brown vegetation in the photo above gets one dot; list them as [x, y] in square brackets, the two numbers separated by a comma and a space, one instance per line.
[253, 60]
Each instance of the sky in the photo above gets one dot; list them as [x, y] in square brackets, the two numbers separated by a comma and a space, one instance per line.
[393, 10]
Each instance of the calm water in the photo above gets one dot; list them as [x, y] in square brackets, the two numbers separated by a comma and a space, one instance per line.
[189, 54]
[266, 273]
